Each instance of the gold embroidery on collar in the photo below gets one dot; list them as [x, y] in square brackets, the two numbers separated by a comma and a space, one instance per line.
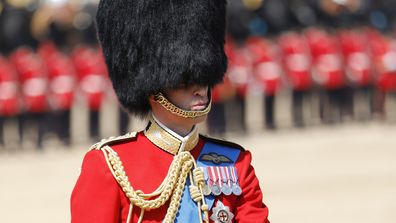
[166, 141]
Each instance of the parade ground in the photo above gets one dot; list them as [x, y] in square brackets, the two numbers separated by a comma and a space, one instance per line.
[341, 173]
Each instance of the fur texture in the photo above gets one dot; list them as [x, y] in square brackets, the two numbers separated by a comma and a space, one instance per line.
[152, 45]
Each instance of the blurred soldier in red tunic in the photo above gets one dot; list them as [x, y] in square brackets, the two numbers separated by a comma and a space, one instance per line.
[61, 89]
[222, 95]
[328, 74]
[10, 103]
[296, 60]
[91, 72]
[240, 74]
[267, 72]
[34, 87]
[383, 49]
[358, 65]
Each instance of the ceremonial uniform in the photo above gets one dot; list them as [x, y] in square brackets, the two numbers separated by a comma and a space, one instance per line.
[9, 95]
[328, 74]
[163, 59]
[34, 90]
[359, 70]
[268, 73]
[92, 82]
[297, 65]
[240, 74]
[146, 157]
[61, 88]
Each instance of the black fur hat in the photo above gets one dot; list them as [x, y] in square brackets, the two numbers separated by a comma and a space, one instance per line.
[153, 45]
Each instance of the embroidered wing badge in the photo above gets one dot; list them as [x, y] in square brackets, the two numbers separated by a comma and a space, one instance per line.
[215, 158]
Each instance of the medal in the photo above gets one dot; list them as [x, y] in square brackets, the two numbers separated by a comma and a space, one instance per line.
[226, 186]
[206, 190]
[214, 187]
[226, 189]
[221, 213]
[236, 189]
[215, 190]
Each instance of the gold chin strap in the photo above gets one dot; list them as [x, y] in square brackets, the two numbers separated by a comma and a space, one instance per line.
[178, 111]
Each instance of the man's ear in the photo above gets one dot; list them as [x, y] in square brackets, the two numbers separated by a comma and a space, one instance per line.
[151, 100]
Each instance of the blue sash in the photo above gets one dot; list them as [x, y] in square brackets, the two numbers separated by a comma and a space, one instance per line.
[188, 211]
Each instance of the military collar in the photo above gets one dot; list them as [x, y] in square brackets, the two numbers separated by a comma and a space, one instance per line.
[168, 140]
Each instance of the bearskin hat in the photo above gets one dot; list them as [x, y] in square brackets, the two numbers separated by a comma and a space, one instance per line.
[154, 45]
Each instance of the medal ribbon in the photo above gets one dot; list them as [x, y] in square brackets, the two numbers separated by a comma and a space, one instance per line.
[188, 208]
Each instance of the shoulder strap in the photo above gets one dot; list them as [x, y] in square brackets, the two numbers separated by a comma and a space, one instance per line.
[112, 140]
[223, 142]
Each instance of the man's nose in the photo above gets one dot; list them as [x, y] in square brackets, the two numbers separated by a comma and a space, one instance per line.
[201, 91]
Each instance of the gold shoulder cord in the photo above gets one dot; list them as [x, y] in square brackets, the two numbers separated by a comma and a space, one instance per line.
[171, 187]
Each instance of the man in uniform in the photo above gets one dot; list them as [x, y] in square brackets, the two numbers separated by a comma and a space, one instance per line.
[10, 105]
[33, 79]
[163, 58]
[297, 66]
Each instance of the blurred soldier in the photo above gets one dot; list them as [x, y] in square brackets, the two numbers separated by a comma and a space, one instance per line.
[61, 89]
[221, 94]
[240, 75]
[296, 61]
[358, 67]
[328, 74]
[267, 72]
[217, 118]
[91, 71]
[383, 50]
[34, 84]
[9, 96]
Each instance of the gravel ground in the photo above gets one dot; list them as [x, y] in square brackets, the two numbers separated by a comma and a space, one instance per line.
[341, 173]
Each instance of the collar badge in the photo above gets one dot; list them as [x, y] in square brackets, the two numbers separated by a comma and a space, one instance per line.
[221, 213]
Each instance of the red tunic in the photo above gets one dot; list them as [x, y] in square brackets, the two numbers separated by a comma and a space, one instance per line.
[98, 198]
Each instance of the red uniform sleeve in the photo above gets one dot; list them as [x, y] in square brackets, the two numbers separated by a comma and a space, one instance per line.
[96, 196]
[250, 207]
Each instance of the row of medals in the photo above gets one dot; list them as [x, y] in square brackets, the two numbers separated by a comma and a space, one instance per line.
[227, 186]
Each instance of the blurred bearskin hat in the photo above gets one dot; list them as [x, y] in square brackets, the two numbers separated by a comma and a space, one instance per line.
[154, 45]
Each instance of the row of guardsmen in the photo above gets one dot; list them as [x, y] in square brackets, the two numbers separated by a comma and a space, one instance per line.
[333, 65]
[38, 88]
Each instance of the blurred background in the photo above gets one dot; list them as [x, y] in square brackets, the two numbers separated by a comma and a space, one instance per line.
[310, 89]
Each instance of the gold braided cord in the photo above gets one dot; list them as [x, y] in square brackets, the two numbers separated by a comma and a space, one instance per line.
[172, 186]
[178, 111]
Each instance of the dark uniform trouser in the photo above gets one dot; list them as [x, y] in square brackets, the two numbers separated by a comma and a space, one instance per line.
[241, 103]
[61, 125]
[2, 131]
[94, 124]
[269, 108]
[38, 121]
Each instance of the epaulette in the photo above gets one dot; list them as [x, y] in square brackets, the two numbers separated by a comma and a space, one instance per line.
[223, 142]
[113, 140]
